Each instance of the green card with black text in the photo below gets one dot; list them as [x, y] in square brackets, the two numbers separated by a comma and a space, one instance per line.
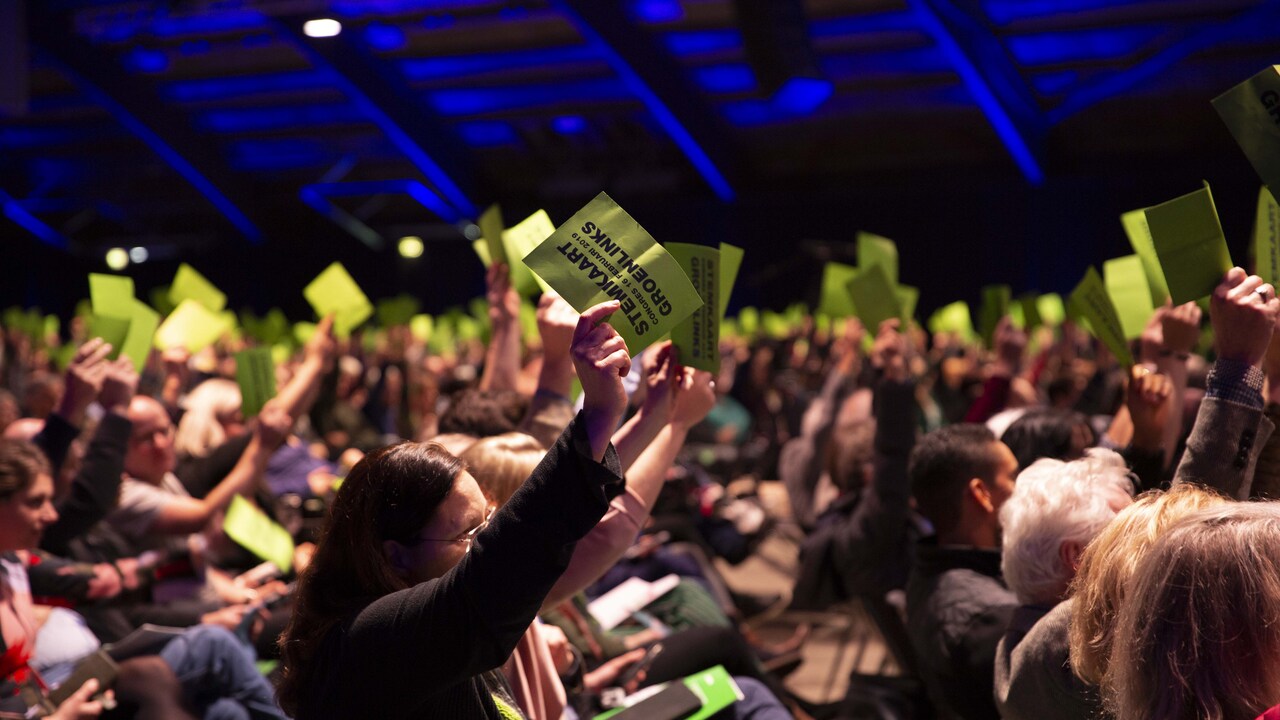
[697, 337]
[1251, 111]
[1190, 245]
[1091, 301]
[256, 375]
[602, 253]
[1266, 237]
[730, 264]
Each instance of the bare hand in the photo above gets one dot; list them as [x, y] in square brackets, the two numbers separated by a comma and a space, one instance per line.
[1242, 321]
[604, 676]
[274, 426]
[322, 346]
[695, 397]
[661, 378]
[601, 359]
[119, 384]
[504, 301]
[889, 353]
[1148, 401]
[84, 380]
[558, 644]
[556, 321]
[1181, 328]
[80, 705]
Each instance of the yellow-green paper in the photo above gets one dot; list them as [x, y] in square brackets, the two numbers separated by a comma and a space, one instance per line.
[1266, 237]
[190, 326]
[1251, 111]
[520, 241]
[874, 297]
[697, 337]
[876, 250]
[111, 295]
[1126, 283]
[836, 301]
[1135, 227]
[955, 319]
[602, 253]
[189, 284]
[334, 291]
[256, 375]
[995, 305]
[1189, 243]
[1091, 300]
[730, 264]
[491, 232]
[142, 331]
[258, 534]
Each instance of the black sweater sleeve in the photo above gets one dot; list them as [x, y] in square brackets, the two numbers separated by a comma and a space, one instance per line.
[95, 488]
[55, 439]
[414, 643]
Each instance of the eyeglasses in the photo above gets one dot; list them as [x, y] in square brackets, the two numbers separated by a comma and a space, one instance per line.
[469, 537]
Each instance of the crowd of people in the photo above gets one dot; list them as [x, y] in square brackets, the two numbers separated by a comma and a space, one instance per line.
[1035, 530]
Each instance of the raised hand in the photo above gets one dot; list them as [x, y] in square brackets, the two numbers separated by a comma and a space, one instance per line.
[119, 385]
[274, 426]
[695, 397]
[889, 353]
[601, 358]
[1148, 401]
[504, 301]
[661, 378]
[84, 380]
[556, 321]
[1243, 310]
[1010, 344]
[322, 346]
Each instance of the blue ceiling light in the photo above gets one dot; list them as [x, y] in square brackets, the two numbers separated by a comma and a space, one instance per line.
[277, 154]
[147, 60]
[384, 36]
[14, 210]
[278, 118]
[1080, 45]
[684, 43]
[657, 11]
[802, 95]
[240, 86]
[747, 113]
[460, 66]
[569, 124]
[487, 133]
[1003, 12]
[900, 21]
[726, 78]
[191, 48]
[202, 24]
[474, 101]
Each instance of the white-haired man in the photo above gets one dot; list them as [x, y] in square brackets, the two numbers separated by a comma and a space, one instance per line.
[1055, 510]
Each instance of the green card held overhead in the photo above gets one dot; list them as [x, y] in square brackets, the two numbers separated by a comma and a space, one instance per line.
[1126, 283]
[835, 300]
[954, 319]
[189, 284]
[191, 326]
[1135, 227]
[995, 305]
[491, 227]
[111, 295]
[482, 251]
[874, 297]
[876, 250]
[1051, 308]
[601, 253]
[1251, 111]
[112, 330]
[141, 336]
[256, 375]
[1091, 301]
[730, 264]
[421, 326]
[1190, 245]
[1266, 237]
[697, 337]
[397, 310]
[908, 298]
[519, 241]
[335, 292]
[1030, 311]
[259, 534]
[160, 301]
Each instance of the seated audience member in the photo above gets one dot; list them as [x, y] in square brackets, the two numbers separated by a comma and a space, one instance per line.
[1056, 509]
[1196, 636]
[1048, 433]
[957, 603]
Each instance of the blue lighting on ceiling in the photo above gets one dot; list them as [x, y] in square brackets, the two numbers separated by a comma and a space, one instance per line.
[726, 78]
[695, 42]
[657, 11]
[17, 137]
[277, 154]
[147, 60]
[863, 24]
[1002, 12]
[123, 26]
[192, 48]
[277, 118]
[437, 22]
[745, 113]
[487, 133]
[569, 124]
[917, 61]
[458, 66]
[224, 88]
[384, 36]
[1053, 83]
[472, 101]
[424, 195]
[14, 210]
[802, 95]
[1076, 45]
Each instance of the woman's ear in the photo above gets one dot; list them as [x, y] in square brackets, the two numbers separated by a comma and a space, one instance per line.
[396, 556]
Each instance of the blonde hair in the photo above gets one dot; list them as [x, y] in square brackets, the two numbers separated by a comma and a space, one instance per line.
[200, 431]
[501, 463]
[1109, 562]
[1199, 636]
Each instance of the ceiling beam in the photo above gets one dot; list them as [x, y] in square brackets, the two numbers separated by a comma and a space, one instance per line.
[662, 84]
[140, 109]
[992, 77]
[382, 95]
[19, 214]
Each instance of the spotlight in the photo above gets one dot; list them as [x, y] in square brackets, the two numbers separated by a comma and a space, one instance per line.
[410, 247]
[117, 259]
[139, 255]
[321, 28]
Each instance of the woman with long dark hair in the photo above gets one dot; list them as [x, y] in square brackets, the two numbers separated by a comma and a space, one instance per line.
[418, 590]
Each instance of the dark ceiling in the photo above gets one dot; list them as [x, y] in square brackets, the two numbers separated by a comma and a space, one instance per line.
[994, 139]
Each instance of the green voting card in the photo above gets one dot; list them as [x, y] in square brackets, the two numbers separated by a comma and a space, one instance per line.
[112, 330]
[1051, 308]
[420, 326]
[189, 284]
[1139, 234]
[995, 305]
[111, 295]
[1030, 312]
[730, 264]
[1190, 245]
[715, 688]
[1091, 301]
[482, 251]
[876, 250]
[141, 336]
[491, 227]
[697, 337]
[397, 310]
[954, 319]
[835, 300]
[908, 298]
[603, 253]
[256, 375]
[191, 326]
[259, 534]
[1266, 237]
[749, 321]
[1251, 111]
[874, 297]
[520, 241]
[334, 291]
[1126, 283]
[160, 300]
